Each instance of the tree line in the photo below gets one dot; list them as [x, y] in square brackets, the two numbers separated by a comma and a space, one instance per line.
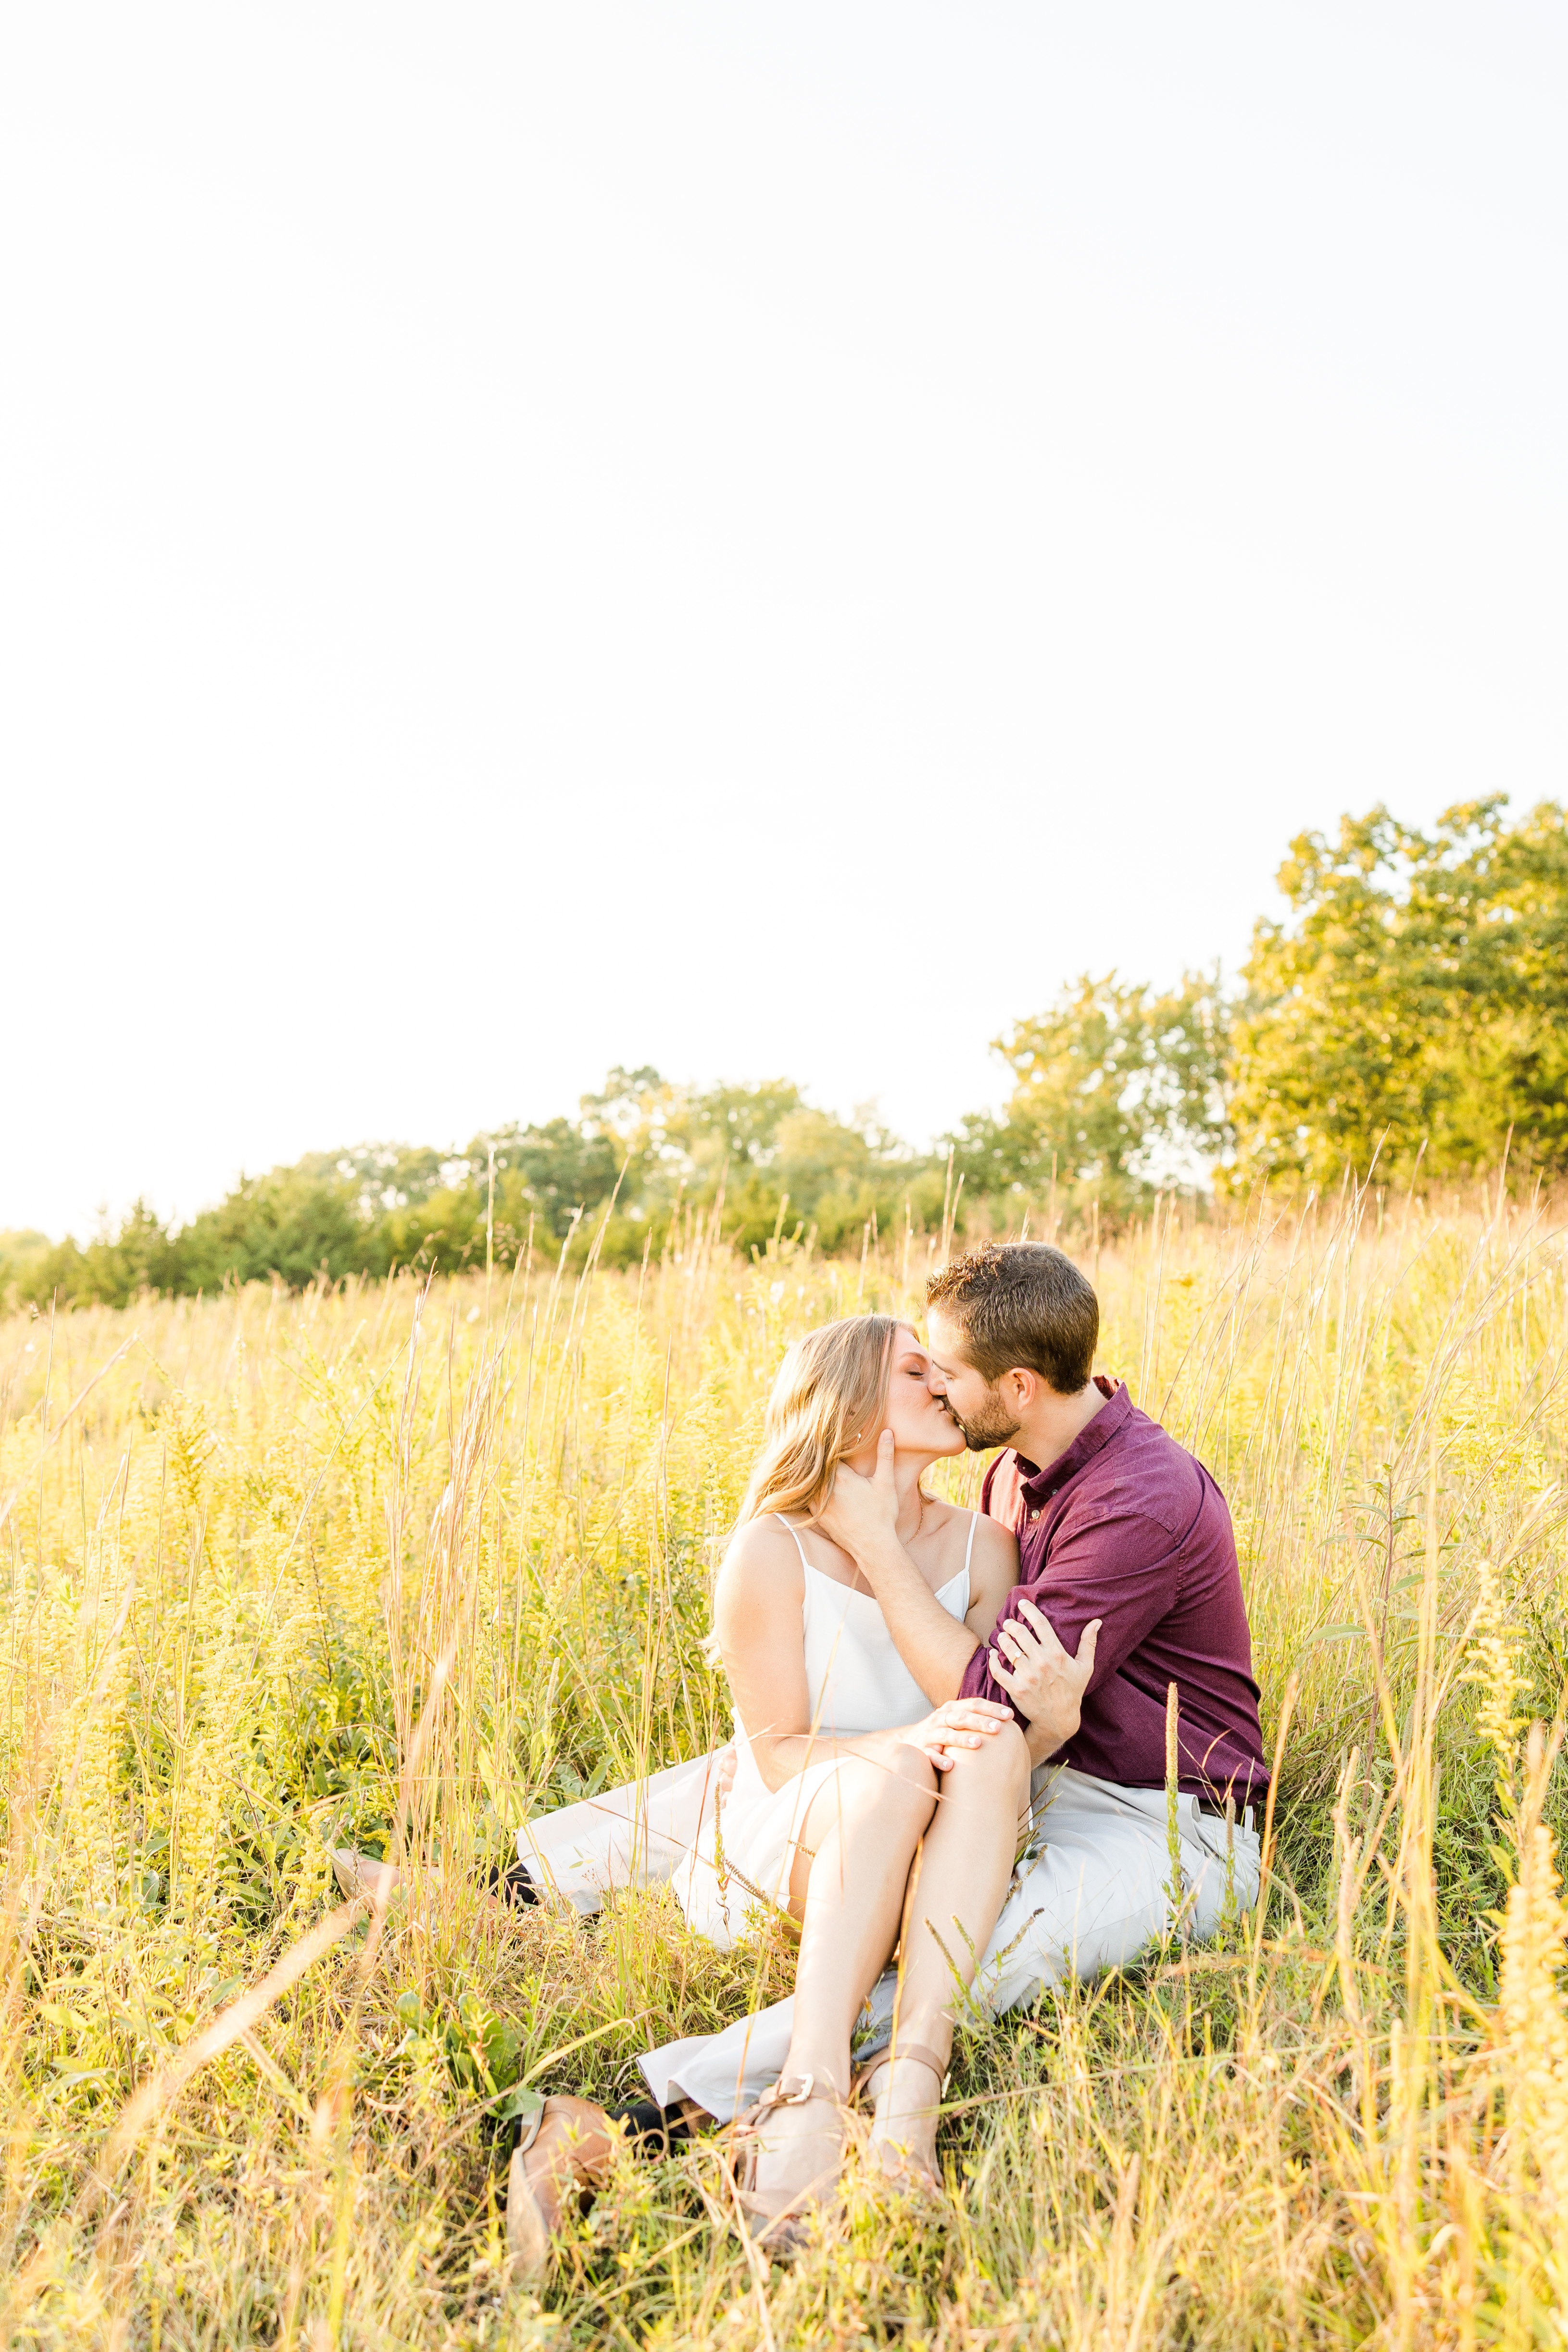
[1403, 1019]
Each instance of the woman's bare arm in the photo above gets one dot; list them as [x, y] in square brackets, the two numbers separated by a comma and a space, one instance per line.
[993, 1572]
[861, 1515]
[757, 1617]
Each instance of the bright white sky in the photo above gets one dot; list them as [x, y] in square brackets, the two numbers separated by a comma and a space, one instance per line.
[755, 538]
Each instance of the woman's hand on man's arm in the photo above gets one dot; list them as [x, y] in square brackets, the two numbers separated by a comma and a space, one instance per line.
[943, 1738]
[957, 1724]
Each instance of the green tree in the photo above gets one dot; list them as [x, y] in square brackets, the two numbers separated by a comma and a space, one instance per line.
[23, 1255]
[382, 1176]
[1412, 1004]
[289, 1223]
[768, 1149]
[112, 1270]
[1118, 1088]
[686, 1140]
[641, 1142]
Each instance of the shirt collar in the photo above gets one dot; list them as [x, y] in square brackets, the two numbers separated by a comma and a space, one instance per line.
[1091, 1440]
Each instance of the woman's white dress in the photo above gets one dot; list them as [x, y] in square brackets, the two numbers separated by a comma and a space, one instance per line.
[712, 1829]
[1090, 1887]
[856, 1681]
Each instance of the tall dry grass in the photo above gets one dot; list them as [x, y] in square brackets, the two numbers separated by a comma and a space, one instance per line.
[396, 1567]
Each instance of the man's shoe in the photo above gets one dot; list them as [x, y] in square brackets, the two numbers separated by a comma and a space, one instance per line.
[563, 2154]
[361, 1873]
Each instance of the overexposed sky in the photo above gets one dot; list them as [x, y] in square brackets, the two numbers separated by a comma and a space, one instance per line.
[757, 540]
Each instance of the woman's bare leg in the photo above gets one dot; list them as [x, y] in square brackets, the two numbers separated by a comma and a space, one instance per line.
[960, 1883]
[847, 1888]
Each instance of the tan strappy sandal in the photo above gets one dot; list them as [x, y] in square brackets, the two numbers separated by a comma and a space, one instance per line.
[784, 2227]
[896, 2162]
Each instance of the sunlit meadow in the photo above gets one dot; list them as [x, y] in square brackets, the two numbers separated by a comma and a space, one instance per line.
[396, 1567]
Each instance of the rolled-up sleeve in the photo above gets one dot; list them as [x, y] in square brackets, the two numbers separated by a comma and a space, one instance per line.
[1121, 1569]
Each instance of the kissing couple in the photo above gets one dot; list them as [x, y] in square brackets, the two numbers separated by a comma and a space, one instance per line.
[949, 1761]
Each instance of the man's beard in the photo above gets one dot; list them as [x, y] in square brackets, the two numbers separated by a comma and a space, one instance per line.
[990, 1426]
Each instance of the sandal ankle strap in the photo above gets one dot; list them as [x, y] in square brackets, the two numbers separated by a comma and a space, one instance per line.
[916, 2049]
[795, 2090]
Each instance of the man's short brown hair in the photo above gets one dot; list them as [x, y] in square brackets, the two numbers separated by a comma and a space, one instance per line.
[1021, 1306]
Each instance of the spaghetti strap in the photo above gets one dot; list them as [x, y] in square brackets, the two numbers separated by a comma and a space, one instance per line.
[799, 1545]
[968, 1547]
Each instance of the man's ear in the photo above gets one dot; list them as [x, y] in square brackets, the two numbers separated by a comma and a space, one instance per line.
[1026, 1386]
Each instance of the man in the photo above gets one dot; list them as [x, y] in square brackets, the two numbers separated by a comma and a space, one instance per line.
[1129, 1586]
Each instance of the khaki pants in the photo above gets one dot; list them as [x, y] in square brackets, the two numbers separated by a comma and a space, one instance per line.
[1091, 1892]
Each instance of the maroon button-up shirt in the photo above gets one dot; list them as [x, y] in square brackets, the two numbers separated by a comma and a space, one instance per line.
[1127, 1527]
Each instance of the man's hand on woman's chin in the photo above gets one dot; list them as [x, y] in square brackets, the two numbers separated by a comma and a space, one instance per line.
[862, 1513]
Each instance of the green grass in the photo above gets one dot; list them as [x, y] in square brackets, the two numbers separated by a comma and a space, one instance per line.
[397, 1569]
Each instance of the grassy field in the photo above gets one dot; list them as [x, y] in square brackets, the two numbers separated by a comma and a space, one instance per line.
[398, 1568]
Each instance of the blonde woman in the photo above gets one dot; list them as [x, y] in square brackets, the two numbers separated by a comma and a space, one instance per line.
[844, 1772]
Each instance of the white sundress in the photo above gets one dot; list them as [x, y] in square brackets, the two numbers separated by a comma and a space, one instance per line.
[855, 1682]
[1091, 1889]
[711, 1829]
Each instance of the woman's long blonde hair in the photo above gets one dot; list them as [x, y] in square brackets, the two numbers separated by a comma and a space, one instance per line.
[831, 1396]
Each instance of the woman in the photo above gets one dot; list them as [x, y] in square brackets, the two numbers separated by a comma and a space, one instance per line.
[844, 1775]
[876, 1821]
